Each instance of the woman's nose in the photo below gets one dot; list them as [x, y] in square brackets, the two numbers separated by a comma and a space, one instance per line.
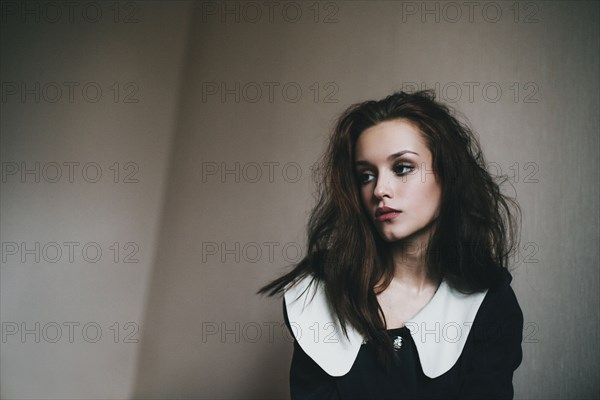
[383, 189]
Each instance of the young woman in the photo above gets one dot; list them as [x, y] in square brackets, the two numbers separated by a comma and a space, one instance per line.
[404, 291]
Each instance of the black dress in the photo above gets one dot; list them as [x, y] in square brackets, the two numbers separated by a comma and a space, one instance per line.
[484, 369]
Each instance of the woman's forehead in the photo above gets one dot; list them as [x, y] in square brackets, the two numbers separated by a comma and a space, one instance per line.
[389, 137]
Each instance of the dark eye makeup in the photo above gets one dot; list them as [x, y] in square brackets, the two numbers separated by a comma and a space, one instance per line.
[400, 169]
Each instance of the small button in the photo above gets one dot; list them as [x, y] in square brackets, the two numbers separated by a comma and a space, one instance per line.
[397, 342]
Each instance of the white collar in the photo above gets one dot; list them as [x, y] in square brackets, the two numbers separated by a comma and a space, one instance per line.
[439, 330]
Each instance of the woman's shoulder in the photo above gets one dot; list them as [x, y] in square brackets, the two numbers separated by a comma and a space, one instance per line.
[500, 313]
[494, 350]
[496, 301]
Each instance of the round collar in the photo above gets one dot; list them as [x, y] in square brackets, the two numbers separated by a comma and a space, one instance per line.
[439, 330]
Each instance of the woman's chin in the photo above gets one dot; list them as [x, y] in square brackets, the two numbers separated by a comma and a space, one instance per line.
[391, 237]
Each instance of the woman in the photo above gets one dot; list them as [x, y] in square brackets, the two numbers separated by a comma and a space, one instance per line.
[404, 291]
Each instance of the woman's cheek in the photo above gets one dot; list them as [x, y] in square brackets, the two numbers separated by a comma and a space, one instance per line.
[366, 195]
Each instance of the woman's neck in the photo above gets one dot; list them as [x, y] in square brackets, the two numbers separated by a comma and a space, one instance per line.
[410, 270]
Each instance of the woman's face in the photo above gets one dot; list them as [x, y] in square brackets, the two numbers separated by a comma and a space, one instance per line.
[399, 190]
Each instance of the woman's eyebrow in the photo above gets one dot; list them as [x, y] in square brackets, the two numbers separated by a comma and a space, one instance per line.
[389, 158]
[399, 154]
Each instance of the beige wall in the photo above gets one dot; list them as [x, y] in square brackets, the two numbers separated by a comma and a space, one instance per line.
[143, 53]
[218, 237]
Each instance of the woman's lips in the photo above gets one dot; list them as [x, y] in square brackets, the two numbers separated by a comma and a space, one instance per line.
[388, 215]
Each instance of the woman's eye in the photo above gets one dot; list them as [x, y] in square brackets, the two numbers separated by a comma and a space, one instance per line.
[365, 177]
[402, 169]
